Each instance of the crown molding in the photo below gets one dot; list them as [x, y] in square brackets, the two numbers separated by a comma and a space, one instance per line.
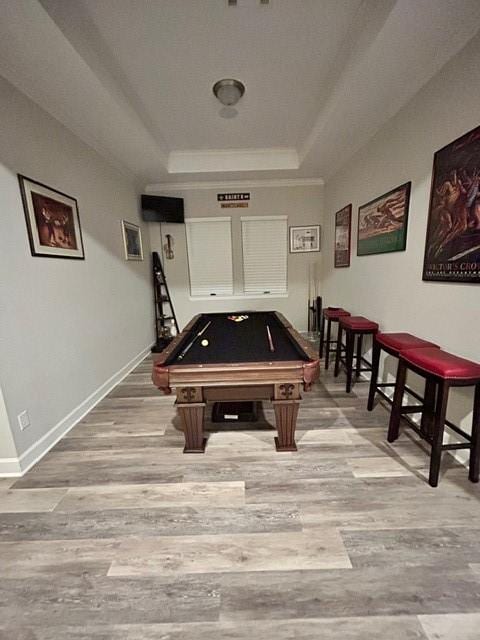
[214, 160]
[233, 184]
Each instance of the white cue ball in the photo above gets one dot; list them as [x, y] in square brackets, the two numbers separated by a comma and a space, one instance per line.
[204, 343]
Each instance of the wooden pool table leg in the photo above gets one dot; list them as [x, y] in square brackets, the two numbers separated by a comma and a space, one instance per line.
[286, 403]
[191, 410]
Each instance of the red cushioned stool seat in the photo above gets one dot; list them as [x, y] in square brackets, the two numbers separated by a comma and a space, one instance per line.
[334, 314]
[402, 341]
[355, 328]
[358, 323]
[330, 315]
[441, 371]
[442, 364]
[393, 343]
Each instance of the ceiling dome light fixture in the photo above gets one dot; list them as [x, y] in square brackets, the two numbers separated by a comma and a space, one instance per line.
[228, 91]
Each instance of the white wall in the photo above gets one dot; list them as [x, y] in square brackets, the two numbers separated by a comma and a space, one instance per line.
[302, 204]
[8, 451]
[389, 287]
[66, 326]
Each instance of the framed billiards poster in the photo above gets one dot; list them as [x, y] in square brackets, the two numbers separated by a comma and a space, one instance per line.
[53, 223]
[382, 222]
[132, 241]
[343, 230]
[452, 244]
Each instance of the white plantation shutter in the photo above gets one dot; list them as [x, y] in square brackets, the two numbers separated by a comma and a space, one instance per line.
[264, 240]
[209, 246]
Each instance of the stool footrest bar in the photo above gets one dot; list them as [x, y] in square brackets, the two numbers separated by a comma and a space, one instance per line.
[460, 432]
[455, 446]
[412, 408]
[410, 392]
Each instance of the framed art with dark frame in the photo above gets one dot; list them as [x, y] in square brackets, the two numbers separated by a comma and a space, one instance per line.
[132, 241]
[452, 242]
[305, 239]
[343, 233]
[382, 222]
[53, 222]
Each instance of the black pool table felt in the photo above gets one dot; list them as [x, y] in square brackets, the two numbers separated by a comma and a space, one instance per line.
[236, 342]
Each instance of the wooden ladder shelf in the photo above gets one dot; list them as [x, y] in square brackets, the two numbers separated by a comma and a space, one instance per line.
[166, 325]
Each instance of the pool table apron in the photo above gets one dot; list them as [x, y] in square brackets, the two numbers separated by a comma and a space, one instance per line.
[191, 403]
[280, 383]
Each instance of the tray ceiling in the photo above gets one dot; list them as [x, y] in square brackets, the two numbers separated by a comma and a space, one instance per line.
[133, 78]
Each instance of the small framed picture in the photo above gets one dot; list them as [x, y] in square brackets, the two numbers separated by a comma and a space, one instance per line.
[305, 239]
[343, 232]
[132, 241]
[53, 223]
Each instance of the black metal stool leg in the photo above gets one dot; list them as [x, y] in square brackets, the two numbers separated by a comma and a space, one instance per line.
[396, 413]
[428, 413]
[322, 337]
[437, 442]
[349, 358]
[338, 353]
[359, 355]
[327, 343]
[373, 380]
[473, 472]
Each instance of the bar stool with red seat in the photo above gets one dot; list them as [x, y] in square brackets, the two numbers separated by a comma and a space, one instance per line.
[445, 371]
[330, 314]
[355, 328]
[393, 343]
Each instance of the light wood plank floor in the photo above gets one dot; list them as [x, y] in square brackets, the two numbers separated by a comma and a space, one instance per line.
[116, 534]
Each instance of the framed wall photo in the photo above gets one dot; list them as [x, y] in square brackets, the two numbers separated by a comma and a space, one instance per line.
[382, 222]
[132, 241]
[452, 244]
[53, 223]
[305, 239]
[343, 232]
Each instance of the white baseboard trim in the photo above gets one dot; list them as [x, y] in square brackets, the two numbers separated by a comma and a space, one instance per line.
[16, 467]
[10, 468]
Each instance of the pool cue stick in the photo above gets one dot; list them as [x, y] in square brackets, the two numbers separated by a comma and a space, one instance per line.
[309, 297]
[182, 354]
[270, 341]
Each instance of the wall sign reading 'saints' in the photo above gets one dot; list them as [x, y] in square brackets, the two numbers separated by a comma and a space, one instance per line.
[229, 197]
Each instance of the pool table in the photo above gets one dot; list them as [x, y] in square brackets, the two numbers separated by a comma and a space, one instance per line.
[236, 362]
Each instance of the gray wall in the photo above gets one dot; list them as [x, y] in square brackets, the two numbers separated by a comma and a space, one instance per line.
[66, 326]
[302, 204]
[389, 287]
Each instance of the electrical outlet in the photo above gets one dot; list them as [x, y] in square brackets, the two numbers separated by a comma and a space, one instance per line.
[23, 420]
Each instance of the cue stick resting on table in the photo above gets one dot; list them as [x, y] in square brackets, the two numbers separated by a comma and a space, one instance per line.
[201, 332]
[270, 341]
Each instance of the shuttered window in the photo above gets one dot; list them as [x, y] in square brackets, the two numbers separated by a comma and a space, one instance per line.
[264, 242]
[209, 246]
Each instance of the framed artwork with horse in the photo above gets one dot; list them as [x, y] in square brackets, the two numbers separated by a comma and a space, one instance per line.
[452, 246]
[382, 222]
[53, 222]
